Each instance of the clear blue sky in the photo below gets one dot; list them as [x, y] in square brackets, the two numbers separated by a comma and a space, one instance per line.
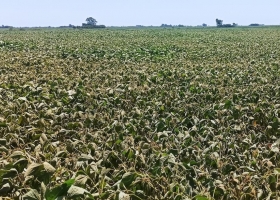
[20, 13]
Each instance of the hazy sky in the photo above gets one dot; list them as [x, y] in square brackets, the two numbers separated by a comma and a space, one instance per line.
[20, 13]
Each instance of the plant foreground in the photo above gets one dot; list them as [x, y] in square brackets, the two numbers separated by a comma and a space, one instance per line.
[140, 114]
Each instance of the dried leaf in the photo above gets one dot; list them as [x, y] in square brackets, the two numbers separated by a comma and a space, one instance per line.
[32, 195]
[81, 180]
[75, 192]
[48, 167]
[33, 169]
[123, 196]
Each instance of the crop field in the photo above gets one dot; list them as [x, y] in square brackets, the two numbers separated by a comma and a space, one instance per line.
[140, 114]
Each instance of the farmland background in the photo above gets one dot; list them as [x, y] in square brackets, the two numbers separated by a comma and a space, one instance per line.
[140, 113]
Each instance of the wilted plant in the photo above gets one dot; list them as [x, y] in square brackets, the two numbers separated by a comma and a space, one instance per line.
[140, 114]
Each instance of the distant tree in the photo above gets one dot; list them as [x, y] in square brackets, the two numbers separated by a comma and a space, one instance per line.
[204, 25]
[254, 25]
[91, 21]
[166, 25]
[219, 22]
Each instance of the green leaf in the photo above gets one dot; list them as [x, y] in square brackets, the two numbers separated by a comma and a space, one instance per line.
[3, 141]
[21, 164]
[5, 188]
[272, 179]
[228, 168]
[60, 190]
[128, 178]
[160, 126]
[228, 104]
[2, 124]
[105, 195]
[11, 173]
[199, 197]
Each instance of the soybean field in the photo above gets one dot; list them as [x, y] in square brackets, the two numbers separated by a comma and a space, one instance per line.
[140, 114]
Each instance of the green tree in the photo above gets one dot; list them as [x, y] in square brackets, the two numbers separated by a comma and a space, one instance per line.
[91, 21]
[219, 22]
